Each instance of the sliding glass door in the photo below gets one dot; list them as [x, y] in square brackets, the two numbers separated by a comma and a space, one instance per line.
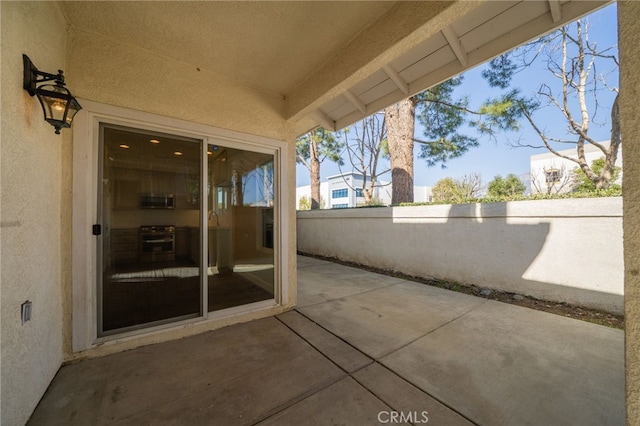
[240, 249]
[186, 228]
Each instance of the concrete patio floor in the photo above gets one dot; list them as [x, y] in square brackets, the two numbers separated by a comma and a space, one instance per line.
[359, 347]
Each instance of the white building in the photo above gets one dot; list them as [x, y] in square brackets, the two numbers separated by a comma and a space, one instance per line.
[345, 190]
[552, 174]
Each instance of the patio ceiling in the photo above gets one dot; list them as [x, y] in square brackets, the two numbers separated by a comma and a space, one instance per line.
[333, 62]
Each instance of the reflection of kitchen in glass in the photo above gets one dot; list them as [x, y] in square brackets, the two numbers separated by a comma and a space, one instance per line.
[240, 190]
[151, 215]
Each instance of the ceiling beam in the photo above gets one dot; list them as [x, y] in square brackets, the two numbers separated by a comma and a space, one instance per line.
[324, 120]
[397, 79]
[556, 12]
[570, 11]
[454, 43]
[355, 101]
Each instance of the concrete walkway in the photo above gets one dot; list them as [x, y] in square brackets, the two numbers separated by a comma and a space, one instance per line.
[360, 349]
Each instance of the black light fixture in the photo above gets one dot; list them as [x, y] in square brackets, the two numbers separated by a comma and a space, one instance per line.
[58, 104]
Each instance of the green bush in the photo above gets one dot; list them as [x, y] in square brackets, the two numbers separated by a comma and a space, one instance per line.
[611, 192]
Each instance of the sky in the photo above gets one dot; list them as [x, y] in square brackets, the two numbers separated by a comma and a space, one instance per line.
[491, 157]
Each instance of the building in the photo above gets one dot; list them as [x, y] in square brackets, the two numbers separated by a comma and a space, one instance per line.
[186, 107]
[345, 191]
[552, 174]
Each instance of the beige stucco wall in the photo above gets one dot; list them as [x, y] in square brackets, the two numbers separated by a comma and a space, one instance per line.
[628, 18]
[539, 248]
[83, 344]
[119, 74]
[37, 178]
[31, 212]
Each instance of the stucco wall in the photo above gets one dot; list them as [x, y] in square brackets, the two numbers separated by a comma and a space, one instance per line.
[119, 74]
[628, 18]
[540, 248]
[122, 75]
[31, 242]
[37, 180]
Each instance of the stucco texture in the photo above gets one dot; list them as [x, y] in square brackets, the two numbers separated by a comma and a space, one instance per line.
[31, 210]
[628, 18]
[536, 248]
[114, 73]
[36, 178]
[36, 167]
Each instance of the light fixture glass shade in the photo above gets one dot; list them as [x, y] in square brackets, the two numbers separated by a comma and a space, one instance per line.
[58, 105]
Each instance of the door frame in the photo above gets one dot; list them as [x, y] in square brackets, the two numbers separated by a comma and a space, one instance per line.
[85, 261]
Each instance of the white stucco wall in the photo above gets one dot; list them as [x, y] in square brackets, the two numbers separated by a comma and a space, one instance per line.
[540, 248]
[31, 240]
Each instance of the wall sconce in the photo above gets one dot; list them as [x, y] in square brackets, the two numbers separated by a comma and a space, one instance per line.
[58, 104]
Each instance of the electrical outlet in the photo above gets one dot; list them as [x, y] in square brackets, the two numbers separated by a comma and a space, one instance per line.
[25, 311]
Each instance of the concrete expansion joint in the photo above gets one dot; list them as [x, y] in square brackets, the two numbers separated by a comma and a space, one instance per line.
[353, 373]
[385, 401]
[331, 333]
[464, 314]
[299, 398]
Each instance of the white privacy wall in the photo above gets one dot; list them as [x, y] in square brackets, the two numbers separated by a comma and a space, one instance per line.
[563, 250]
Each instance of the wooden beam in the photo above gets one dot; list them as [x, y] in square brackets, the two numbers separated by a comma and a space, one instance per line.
[454, 43]
[355, 101]
[556, 12]
[324, 120]
[397, 79]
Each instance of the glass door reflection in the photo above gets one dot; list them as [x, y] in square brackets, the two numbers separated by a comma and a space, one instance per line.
[240, 249]
[150, 213]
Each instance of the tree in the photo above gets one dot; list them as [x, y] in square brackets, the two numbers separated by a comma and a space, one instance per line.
[305, 203]
[365, 145]
[400, 119]
[506, 187]
[311, 150]
[443, 116]
[573, 61]
[554, 180]
[582, 183]
[449, 190]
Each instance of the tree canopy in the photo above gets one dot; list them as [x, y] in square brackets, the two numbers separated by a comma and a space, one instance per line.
[506, 187]
[581, 89]
[582, 183]
[311, 150]
[321, 144]
[457, 191]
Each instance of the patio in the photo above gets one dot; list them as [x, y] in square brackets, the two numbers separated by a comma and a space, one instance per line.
[358, 347]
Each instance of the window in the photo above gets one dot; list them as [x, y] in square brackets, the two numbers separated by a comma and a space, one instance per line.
[340, 193]
[359, 193]
[340, 206]
[552, 175]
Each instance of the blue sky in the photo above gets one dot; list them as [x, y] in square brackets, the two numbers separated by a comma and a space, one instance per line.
[493, 158]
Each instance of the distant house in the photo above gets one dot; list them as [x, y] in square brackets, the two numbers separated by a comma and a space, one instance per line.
[345, 190]
[552, 174]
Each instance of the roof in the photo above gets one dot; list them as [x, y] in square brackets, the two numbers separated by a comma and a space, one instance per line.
[332, 62]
